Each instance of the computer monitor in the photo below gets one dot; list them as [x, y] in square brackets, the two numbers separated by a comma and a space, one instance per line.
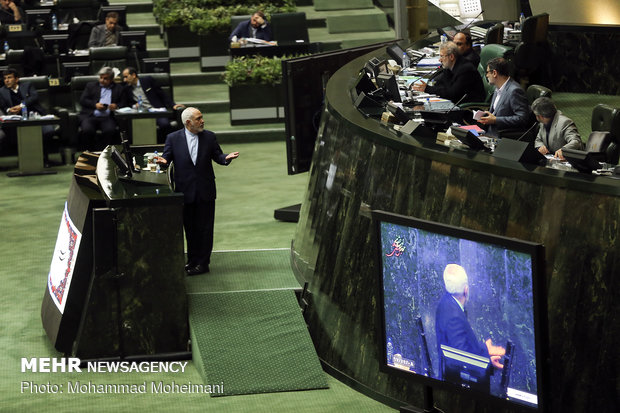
[56, 44]
[389, 85]
[39, 19]
[396, 53]
[422, 321]
[156, 65]
[134, 40]
[469, 139]
[120, 162]
[72, 69]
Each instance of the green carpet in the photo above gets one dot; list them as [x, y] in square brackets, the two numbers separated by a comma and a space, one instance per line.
[253, 342]
[320, 5]
[246, 270]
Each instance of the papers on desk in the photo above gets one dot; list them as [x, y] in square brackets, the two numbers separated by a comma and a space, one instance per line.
[259, 41]
[126, 109]
[429, 61]
[409, 80]
[157, 109]
[11, 117]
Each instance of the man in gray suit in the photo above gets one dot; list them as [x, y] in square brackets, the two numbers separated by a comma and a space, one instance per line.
[556, 131]
[509, 108]
[105, 34]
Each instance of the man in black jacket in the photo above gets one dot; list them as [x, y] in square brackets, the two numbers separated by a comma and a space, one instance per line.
[460, 80]
[99, 101]
[14, 96]
[145, 88]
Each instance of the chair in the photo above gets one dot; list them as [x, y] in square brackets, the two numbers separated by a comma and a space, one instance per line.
[495, 35]
[487, 53]
[605, 119]
[289, 27]
[531, 57]
[534, 92]
[79, 34]
[113, 56]
[68, 10]
[235, 20]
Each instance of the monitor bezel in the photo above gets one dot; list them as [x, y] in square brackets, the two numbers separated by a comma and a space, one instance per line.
[539, 292]
[129, 34]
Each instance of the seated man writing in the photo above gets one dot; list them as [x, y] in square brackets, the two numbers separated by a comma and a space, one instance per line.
[255, 28]
[556, 131]
[460, 81]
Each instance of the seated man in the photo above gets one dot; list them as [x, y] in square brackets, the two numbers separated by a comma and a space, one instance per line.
[451, 325]
[144, 88]
[10, 13]
[14, 96]
[257, 28]
[99, 101]
[105, 34]
[556, 131]
[509, 108]
[460, 79]
[464, 43]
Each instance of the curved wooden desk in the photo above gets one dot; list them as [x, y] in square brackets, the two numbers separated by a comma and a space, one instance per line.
[360, 164]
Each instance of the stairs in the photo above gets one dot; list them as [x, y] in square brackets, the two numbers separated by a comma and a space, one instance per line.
[341, 24]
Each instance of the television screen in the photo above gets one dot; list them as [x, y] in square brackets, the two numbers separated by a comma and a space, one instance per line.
[39, 19]
[463, 309]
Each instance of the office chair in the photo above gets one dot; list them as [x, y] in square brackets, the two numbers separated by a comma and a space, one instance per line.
[113, 56]
[531, 57]
[495, 35]
[235, 20]
[534, 92]
[605, 119]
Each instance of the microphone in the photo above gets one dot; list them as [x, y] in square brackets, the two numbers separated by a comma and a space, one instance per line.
[473, 20]
[457, 103]
[527, 131]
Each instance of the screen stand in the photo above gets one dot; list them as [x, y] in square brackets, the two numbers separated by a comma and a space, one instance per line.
[429, 405]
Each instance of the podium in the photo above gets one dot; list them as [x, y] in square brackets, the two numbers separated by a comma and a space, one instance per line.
[116, 286]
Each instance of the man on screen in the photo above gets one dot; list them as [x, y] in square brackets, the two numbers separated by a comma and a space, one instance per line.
[451, 325]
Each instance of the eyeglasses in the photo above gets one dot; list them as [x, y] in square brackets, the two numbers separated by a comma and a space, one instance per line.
[459, 43]
[443, 56]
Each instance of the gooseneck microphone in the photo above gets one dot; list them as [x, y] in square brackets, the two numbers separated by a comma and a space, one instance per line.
[527, 131]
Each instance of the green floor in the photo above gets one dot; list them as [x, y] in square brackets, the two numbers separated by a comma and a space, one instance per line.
[248, 192]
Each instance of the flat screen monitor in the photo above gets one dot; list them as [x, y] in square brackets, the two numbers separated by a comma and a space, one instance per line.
[463, 310]
[583, 161]
[56, 44]
[39, 19]
[120, 162]
[72, 69]
[134, 40]
[469, 139]
[389, 85]
[396, 53]
[156, 65]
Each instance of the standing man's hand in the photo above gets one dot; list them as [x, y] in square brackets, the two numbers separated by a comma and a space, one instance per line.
[232, 156]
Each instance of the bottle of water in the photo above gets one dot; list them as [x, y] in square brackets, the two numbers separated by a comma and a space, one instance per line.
[155, 156]
[140, 108]
[24, 111]
[390, 351]
[427, 104]
[54, 22]
[6, 47]
[444, 38]
[406, 62]
[521, 20]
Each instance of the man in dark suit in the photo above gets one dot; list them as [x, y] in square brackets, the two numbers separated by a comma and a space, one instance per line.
[99, 101]
[257, 28]
[451, 325]
[509, 107]
[463, 41]
[192, 149]
[146, 90]
[460, 79]
[106, 34]
[10, 13]
[14, 96]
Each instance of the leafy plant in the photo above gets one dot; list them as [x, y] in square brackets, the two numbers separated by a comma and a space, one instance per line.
[212, 16]
[253, 71]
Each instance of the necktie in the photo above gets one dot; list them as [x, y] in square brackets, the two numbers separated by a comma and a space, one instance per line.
[110, 38]
[193, 150]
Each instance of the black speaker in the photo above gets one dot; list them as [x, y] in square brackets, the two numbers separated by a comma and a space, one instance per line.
[368, 106]
[519, 151]
[418, 130]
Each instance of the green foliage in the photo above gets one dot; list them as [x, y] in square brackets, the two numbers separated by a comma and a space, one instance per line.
[212, 16]
[253, 71]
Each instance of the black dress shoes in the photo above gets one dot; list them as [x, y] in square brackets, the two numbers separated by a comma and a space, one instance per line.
[198, 269]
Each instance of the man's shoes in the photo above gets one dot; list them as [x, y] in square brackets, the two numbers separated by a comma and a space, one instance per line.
[198, 269]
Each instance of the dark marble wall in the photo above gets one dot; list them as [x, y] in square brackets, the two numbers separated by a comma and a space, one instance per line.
[359, 165]
[584, 59]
